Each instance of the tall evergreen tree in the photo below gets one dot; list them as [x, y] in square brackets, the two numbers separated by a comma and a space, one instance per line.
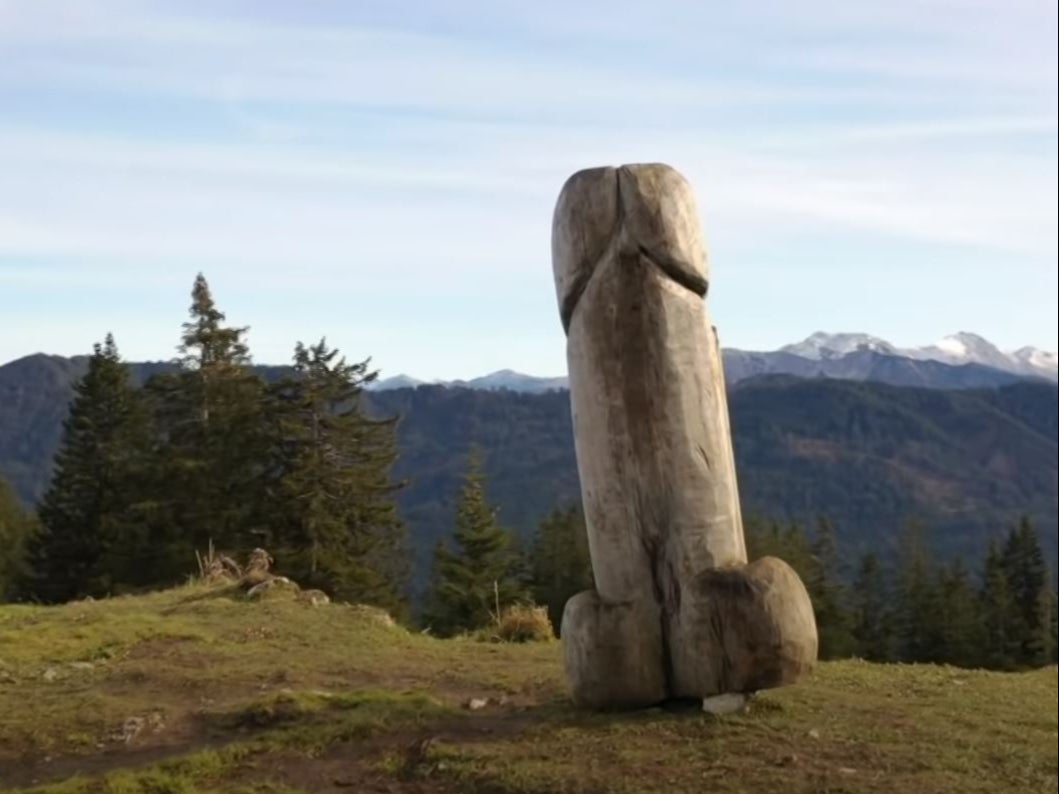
[334, 522]
[91, 534]
[770, 538]
[872, 626]
[824, 583]
[960, 627]
[481, 572]
[560, 564]
[916, 614]
[1027, 575]
[208, 347]
[1000, 644]
[209, 461]
[17, 529]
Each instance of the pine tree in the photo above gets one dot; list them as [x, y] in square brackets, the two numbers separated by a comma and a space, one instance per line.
[770, 538]
[871, 618]
[560, 564]
[824, 583]
[17, 529]
[817, 563]
[917, 620]
[480, 574]
[1000, 645]
[334, 522]
[207, 346]
[208, 463]
[960, 625]
[91, 535]
[1027, 575]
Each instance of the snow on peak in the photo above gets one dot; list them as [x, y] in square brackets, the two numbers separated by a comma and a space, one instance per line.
[956, 349]
[965, 348]
[1037, 358]
[821, 345]
[953, 347]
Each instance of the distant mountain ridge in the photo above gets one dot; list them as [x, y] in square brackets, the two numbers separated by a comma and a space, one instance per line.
[507, 379]
[960, 361]
[966, 462]
[957, 349]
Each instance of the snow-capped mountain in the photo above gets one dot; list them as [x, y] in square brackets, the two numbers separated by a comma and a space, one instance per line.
[1038, 360]
[962, 360]
[957, 349]
[967, 348]
[821, 346]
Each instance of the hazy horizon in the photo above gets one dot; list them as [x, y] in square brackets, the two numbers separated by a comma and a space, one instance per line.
[385, 177]
[385, 373]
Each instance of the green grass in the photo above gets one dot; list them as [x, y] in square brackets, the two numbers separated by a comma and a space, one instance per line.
[282, 697]
[855, 727]
[188, 650]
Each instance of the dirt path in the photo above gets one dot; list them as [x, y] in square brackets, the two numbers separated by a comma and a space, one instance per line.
[346, 766]
[357, 765]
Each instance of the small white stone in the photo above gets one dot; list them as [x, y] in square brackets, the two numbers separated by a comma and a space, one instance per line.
[474, 704]
[728, 703]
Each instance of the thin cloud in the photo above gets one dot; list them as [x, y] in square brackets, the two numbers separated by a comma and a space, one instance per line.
[343, 146]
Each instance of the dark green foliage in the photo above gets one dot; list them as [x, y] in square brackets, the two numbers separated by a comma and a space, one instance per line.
[1016, 604]
[208, 346]
[824, 581]
[207, 453]
[91, 533]
[817, 563]
[333, 521]
[922, 612]
[210, 444]
[870, 598]
[964, 462]
[871, 456]
[480, 575]
[788, 541]
[867, 455]
[17, 528]
[916, 599]
[959, 630]
[528, 456]
[1027, 576]
[560, 564]
[1000, 642]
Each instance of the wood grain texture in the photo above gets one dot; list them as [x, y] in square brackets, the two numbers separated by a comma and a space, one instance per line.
[655, 458]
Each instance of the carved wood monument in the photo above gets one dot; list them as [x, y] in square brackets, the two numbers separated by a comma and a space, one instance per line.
[677, 612]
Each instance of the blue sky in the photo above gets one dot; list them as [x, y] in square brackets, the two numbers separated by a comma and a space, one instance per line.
[384, 173]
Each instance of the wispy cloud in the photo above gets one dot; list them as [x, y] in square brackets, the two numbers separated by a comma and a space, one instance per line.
[360, 148]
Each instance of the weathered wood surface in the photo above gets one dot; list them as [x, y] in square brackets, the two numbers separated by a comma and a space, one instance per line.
[676, 613]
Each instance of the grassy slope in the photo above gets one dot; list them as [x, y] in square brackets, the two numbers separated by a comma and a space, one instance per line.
[283, 697]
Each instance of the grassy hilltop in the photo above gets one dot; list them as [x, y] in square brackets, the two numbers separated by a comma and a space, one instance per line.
[197, 690]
